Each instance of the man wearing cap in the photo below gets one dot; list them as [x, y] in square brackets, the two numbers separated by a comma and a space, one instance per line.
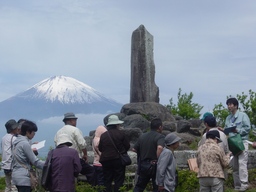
[206, 114]
[211, 161]
[78, 143]
[211, 124]
[148, 148]
[7, 145]
[166, 165]
[113, 142]
[65, 165]
[243, 127]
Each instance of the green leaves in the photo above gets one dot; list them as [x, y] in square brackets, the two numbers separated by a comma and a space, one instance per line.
[185, 107]
[220, 113]
[247, 104]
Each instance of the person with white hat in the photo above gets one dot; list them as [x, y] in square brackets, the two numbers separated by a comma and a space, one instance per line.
[65, 165]
[166, 165]
[113, 143]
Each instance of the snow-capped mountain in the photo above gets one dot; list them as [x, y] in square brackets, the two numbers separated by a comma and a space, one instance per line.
[54, 97]
[66, 90]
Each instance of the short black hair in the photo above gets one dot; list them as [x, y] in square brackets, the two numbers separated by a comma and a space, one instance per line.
[28, 126]
[233, 101]
[211, 121]
[156, 123]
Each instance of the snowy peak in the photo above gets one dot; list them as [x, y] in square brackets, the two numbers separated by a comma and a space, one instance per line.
[66, 90]
[55, 96]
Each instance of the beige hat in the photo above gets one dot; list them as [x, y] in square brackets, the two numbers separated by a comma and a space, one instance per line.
[64, 139]
[113, 120]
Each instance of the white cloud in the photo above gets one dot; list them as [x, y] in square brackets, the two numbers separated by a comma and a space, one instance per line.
[204, 47]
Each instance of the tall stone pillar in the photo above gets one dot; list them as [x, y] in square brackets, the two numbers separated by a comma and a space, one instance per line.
[142, 87]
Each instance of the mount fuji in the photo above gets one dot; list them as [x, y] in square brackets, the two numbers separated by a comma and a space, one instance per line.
[54, 97]
[46, 102]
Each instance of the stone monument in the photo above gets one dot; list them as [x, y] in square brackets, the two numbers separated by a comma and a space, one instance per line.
[142, 87]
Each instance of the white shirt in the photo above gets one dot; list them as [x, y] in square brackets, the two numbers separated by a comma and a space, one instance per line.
[6, 145]
[223, 137]
[76, 136]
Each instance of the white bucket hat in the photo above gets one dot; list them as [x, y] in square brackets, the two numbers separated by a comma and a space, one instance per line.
[64, 138]
[113, 120]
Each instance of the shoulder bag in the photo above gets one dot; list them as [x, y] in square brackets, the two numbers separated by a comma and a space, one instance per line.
[235, 144]
[33, 177]
[46, 173]
[125, 158]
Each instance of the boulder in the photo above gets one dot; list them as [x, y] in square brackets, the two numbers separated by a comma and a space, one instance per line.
[183, 126]
[136, 121]
[133, 134]
[149, 110]
[169, 126]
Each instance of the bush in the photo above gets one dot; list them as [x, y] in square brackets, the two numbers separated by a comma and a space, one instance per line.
[187, 181]
[85, 187]
[185, 107]
[2, 183]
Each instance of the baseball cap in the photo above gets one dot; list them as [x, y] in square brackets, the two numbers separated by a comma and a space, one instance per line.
[207, 114]
[214, 134]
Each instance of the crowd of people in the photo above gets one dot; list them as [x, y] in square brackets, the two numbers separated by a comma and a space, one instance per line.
[213, 156]
[155, 155]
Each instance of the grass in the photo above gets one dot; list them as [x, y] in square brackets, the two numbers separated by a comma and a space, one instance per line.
[188, 182]
[2, 183]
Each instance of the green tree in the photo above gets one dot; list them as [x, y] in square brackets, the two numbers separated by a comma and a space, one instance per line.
[220, 113]
[247, 103]
[185, 107]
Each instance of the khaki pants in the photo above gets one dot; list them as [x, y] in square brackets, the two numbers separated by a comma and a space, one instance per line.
[240, 171]
[211, 184]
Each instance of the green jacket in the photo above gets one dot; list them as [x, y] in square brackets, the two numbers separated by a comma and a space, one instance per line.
[242, 122]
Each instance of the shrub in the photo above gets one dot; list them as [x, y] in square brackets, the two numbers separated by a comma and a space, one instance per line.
[85, 187]
[185, 107]
[187, 181]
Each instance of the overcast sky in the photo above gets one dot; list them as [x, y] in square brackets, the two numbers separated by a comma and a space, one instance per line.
[205, 47]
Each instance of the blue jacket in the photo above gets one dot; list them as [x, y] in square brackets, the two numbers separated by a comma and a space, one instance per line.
[166, 168]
